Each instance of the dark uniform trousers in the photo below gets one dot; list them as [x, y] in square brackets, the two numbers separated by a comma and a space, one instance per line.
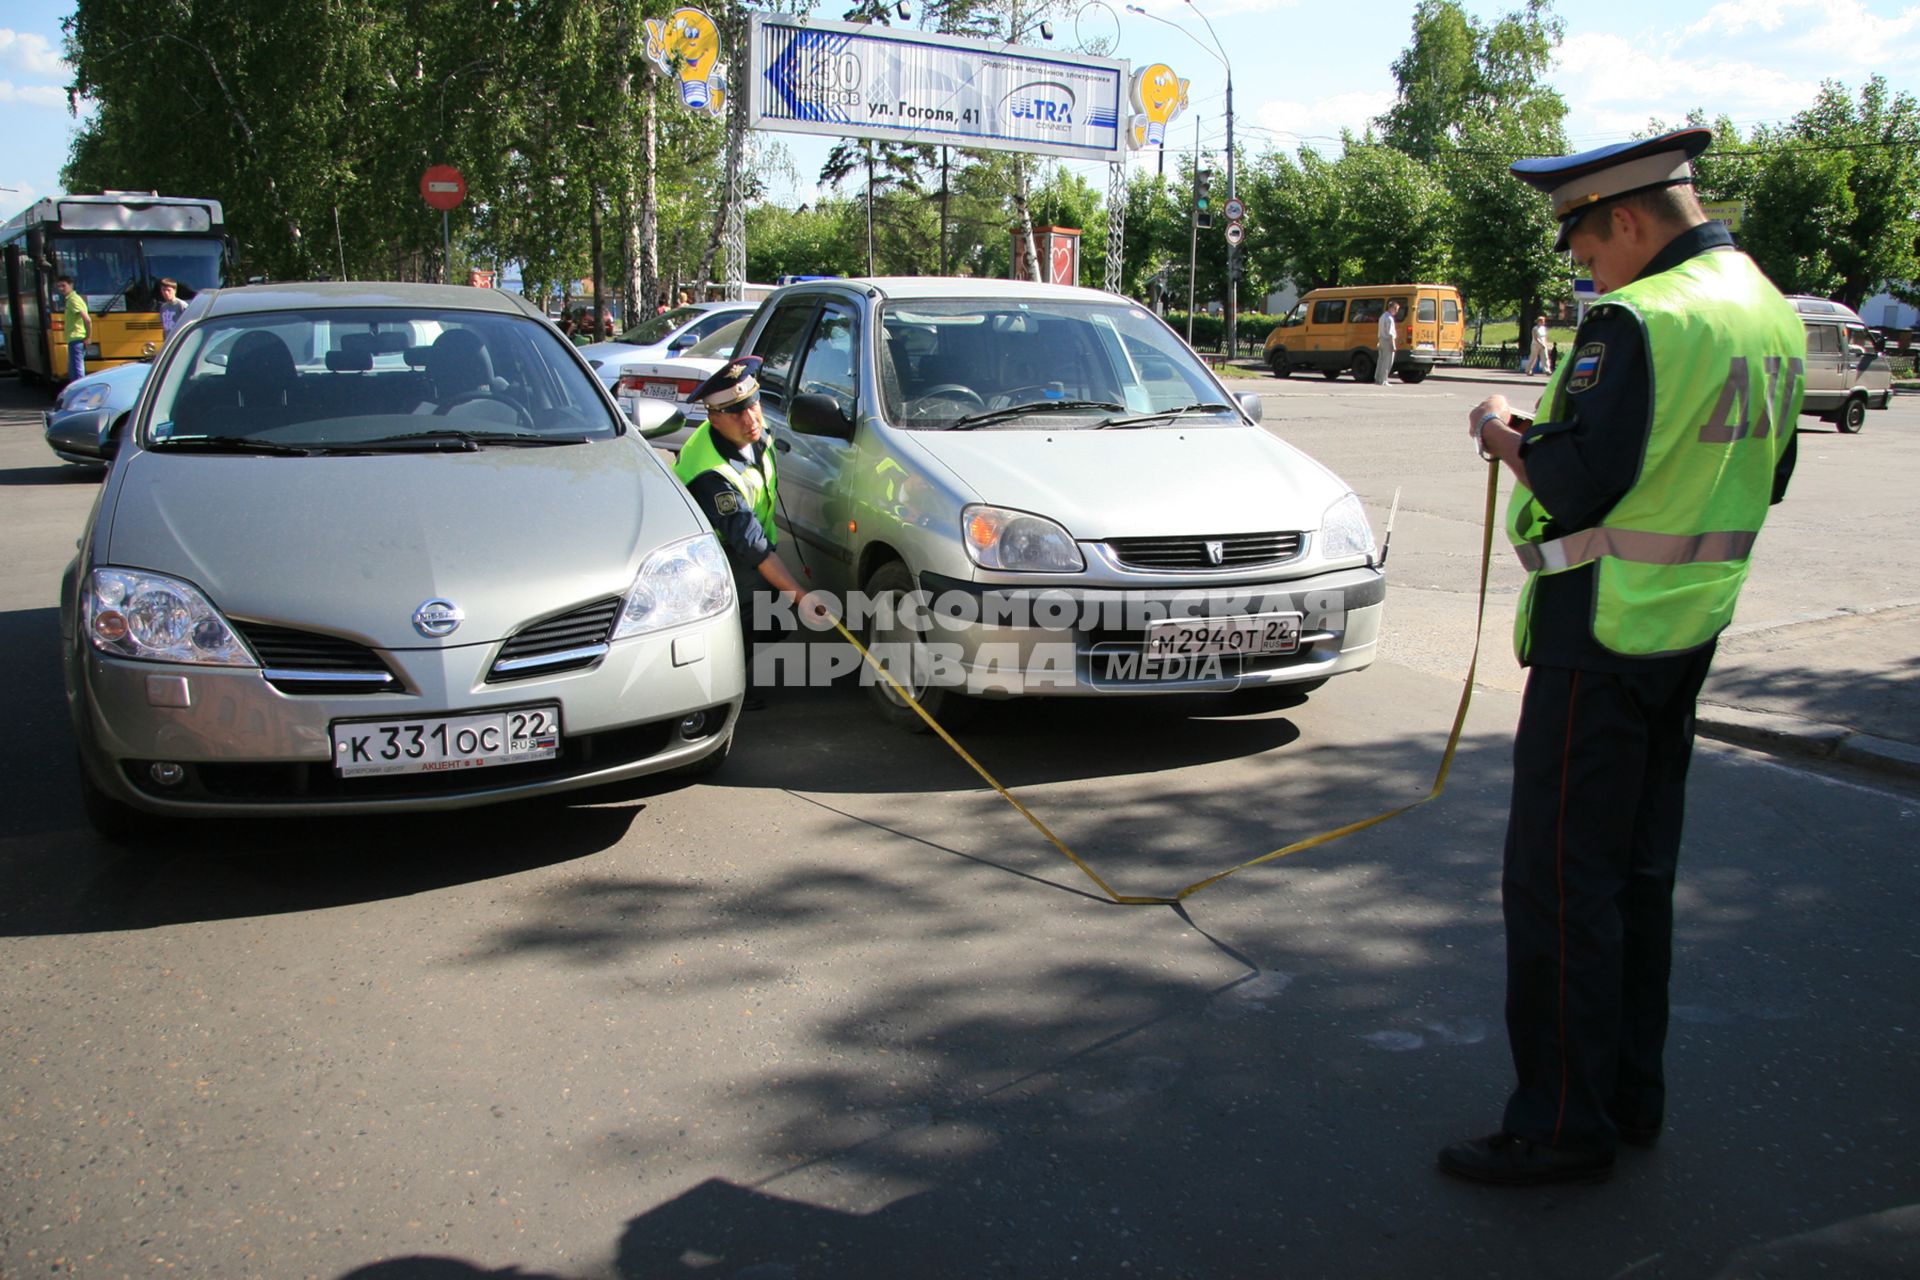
[1593, 839]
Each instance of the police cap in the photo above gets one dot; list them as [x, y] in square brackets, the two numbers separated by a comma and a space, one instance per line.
[733, 388]
[1576, 184]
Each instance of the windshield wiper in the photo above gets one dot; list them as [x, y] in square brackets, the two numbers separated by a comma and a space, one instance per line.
[973, 420]
[1142, 419]
[233, 444]
[450, 441]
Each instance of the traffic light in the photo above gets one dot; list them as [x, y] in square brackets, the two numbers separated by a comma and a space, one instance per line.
[1202, 202]
[1236, 268]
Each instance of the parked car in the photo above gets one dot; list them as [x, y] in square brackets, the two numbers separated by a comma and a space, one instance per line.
[1846, 374]
[674, 380]
[1336, 330]
[1084, 506]
[371, 547]
[662, 336]
[88, 415]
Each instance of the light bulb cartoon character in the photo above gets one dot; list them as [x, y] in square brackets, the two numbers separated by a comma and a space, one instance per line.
[686, 44]
[1160, 95]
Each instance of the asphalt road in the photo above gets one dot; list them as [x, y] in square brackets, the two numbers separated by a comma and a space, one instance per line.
[840, 1013]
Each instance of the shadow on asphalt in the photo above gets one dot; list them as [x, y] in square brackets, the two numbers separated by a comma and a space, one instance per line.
[59, 877]
[60, 473]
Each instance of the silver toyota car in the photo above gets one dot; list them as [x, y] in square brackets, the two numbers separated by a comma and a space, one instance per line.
[373, 546]
[1032, 489]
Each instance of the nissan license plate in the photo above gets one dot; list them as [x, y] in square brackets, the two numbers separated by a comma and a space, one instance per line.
[1202, 637]
[443, 744]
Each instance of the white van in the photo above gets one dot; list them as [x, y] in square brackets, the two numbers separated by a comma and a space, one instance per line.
[1846, 374]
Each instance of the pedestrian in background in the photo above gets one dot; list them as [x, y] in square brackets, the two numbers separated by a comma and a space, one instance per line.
[170, 307]
[1389, 340]
[1538, 361]
[77, 324]
[1662, 442]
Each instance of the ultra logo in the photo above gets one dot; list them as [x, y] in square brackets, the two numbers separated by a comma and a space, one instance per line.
[1046, 103]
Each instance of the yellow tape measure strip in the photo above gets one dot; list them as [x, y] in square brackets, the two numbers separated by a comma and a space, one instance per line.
[1325, 837]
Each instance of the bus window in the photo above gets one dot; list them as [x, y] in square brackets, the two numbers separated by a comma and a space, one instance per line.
[193, 264]
[103, 268]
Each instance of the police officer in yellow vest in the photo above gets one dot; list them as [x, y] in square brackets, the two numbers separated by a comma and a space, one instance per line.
[1661, 442]
[727, 465]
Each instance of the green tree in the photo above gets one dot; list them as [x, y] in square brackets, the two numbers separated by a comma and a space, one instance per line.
[1473, 97]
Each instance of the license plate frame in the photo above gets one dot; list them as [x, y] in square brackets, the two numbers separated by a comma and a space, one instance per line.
[388, 746]
[1250, 635]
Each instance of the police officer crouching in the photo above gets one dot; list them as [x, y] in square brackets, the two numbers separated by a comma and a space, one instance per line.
[1659, 446]
[728, 467]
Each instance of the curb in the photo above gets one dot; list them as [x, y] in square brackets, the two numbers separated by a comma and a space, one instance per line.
[1780, 734]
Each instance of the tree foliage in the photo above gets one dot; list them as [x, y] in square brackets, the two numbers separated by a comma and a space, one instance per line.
[314, 123]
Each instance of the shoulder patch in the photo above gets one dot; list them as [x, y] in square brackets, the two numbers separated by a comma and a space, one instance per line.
[1586, 367]
[726, 502]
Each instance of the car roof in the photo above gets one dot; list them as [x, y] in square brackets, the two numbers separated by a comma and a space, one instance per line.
[326, 295]
[1824, 308]
[928, 288]
[1374, 288]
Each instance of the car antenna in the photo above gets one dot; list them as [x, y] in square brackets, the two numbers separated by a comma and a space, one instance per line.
[1386, 542]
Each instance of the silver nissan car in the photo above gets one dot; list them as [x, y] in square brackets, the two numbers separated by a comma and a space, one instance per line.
[372, 547]
[1026, 489]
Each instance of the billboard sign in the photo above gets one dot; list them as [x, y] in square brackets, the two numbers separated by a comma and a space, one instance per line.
[1728, 212]
[855, 80]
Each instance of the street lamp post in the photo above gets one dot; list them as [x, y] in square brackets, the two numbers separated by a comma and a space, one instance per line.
[1233, 251]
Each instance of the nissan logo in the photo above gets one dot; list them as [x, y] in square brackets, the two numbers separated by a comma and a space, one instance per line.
[438, 618]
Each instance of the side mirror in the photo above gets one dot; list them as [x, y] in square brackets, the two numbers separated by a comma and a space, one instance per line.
[656, 418]
[1250, 405]
[87, 435]
[818, 415]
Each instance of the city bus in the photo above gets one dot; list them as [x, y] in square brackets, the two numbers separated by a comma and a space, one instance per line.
[117, 247]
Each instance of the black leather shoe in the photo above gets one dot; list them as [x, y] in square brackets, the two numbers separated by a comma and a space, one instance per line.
[1507, 1160]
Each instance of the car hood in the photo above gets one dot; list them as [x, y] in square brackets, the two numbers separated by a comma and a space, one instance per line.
[1147, 482]
[354, 545]
[123, 383]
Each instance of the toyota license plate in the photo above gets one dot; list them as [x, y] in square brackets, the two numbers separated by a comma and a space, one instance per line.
[442, 744]
[1202, 637]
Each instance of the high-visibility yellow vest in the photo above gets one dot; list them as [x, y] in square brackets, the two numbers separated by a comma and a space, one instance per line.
[1729, 370]
[700, 455]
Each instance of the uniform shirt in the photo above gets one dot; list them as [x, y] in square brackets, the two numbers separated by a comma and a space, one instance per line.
[1580, 466]
[740, 532]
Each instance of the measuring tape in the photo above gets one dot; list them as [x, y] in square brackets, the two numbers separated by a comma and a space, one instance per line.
[1325, 837]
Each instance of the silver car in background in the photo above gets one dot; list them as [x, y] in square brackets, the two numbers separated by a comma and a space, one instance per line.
[1082, 505]
[369, 547]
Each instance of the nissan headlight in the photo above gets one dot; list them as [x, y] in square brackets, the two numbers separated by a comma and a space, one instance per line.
[133, 614]
[1344, 530]
[683, 581]
[1015, 541]
[86, 398]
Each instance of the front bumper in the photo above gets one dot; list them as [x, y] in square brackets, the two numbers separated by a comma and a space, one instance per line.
[248, 748]
[995, 641]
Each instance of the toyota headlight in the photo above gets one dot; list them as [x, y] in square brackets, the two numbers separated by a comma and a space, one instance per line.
[85, 398]
[683, 581]
[1344, 530]
[1015, 541]
[133, 614]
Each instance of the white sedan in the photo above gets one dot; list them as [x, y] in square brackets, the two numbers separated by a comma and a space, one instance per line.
[675, 379]
[662, 336]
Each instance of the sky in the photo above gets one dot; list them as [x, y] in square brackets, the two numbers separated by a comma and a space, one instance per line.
[1302, 71]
